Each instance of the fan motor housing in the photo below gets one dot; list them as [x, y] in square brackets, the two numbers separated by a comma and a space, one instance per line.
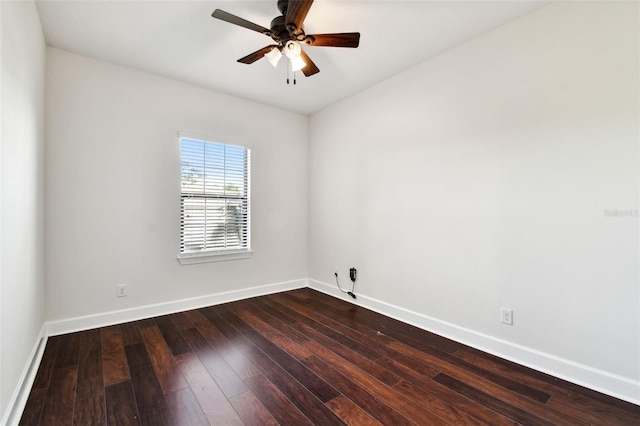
[280, 32]
[278, 28]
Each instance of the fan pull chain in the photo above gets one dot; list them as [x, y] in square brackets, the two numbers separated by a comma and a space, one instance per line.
[290, 70]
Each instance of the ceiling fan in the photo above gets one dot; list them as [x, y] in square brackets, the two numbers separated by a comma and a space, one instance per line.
[288, 34]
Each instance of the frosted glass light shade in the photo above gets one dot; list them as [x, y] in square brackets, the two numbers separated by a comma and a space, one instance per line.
[292, 49]
[297, 64]
[273, 56]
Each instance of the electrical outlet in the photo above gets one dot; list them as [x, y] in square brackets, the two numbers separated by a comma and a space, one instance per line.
[506, 316]
[122, 290]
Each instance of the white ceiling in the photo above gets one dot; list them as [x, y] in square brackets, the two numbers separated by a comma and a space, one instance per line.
[180, 40]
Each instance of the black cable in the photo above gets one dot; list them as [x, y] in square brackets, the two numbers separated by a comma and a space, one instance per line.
[350, 293]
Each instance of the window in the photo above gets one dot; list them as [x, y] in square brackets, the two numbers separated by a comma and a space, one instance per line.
[214, 213]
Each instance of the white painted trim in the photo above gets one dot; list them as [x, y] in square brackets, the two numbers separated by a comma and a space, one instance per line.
[88, 322]
[599, 380]
[218, 256]
[21, 394]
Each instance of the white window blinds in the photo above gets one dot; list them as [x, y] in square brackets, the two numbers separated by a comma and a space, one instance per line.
[215, 197]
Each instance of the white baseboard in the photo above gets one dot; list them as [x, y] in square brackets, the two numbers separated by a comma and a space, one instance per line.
[599, 380]
[88, 322]
[21, 394]
[583, 375]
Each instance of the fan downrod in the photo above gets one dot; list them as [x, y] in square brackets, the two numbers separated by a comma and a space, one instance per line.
[282, 6]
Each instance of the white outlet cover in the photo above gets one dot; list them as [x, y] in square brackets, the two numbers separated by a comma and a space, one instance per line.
[506, 316]
[122, 290]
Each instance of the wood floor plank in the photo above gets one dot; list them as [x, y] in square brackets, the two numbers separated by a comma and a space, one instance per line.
[251, 410]
[300, 396]
[35, 402]
[278, 379]
[207, 329]
[380, 411]
[289, 363]
[400, 363]
[283, 328]
[185, 409]
[60, 399]
[222, 346]
[571, 399]
[295, 358]
[350, 413]
[230, 333]
[226, 378]
[503, 367]
[299, 295]
[504, 381]
[137, 356]
[150, 400]
[412, 372]
[318, 387]
[89, 407]
[263, 312]
[183, 320]
[592, 411]
[238, 363]
[217, 409]
[487, 400]
[350, 321]
[486, 386]
[371, 367]
[297, 393]
[172, 336]
[381, 391]
[361, 349]
[115, 368]
[121, 405]
[130, 334]
[47, 364]
[442, 409]
[68, 351]
[164, 365]
[274, 335]
[395, 329]
[264, 306]
[369, 338]
[278, 405]
[33, 408]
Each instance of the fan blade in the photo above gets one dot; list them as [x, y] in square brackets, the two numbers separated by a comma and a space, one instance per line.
[333, 40]
[309, 69]
[233, 19]
[258, 54]
[296, 12]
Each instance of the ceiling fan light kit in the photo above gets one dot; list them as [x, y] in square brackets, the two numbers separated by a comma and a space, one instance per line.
[273, 56]
[288, 34]
[292, 51]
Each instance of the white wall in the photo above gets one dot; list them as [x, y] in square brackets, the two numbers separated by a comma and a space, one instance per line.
[482, 179]
[112, 179]
[22, 196]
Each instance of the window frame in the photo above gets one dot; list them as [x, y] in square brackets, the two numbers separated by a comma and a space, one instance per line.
[214, 254]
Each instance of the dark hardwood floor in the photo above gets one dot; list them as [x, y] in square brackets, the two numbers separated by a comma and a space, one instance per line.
[294, 358]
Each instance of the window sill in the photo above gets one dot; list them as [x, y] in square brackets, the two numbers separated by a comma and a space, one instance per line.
[205, 257]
